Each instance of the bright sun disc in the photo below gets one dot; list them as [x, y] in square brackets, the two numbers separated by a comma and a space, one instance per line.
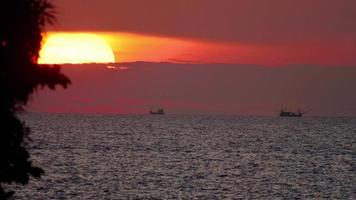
[75, 48]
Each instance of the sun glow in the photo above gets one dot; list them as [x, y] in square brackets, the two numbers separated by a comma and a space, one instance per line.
[74, 48]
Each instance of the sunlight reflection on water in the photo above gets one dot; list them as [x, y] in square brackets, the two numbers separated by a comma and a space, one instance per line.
[191, 157]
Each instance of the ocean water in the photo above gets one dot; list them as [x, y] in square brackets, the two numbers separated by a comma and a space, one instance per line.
[191, 157]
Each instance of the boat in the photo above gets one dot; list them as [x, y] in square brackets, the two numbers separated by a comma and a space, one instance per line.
[299, 113]
[159, 111]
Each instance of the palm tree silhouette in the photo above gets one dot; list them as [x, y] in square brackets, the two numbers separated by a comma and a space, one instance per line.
[22, 23]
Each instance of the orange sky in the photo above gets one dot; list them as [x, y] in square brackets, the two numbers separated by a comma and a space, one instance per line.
[293, 53]
[274, 32]
[129, 47]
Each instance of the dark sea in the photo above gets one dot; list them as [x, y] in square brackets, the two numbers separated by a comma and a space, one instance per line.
[191, 157]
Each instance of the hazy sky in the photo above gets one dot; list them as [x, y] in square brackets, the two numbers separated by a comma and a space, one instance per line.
[318, 36]
[203, 89]
[253, 31]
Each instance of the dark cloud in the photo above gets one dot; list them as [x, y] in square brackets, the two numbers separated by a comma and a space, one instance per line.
[259, 21]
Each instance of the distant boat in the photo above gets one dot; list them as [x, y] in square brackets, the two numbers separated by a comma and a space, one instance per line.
[299, 113]
[159, 111]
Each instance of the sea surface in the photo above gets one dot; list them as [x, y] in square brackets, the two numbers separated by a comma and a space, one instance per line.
[191, 157]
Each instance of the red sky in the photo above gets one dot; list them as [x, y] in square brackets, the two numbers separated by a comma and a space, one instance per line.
[251, 21]
[203, 89]
[311, 45]
[243, 31]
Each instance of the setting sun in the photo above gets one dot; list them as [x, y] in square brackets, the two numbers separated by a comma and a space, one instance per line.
[75, 48]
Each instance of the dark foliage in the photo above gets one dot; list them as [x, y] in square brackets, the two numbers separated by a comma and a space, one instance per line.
[22, 23]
